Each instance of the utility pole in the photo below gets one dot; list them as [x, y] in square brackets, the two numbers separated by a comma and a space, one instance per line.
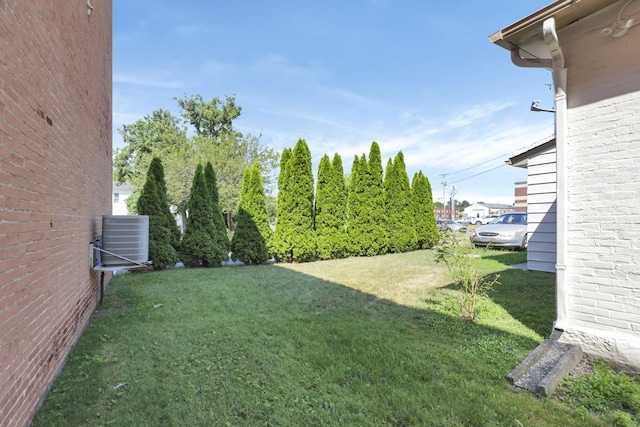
[444, 189]
[453, 193]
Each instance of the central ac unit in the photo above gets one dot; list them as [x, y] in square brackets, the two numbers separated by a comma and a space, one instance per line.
[125, 240]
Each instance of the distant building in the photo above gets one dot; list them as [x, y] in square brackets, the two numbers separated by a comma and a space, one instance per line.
[445, 212]
[119, 202]
[478, 210]
[521, 196]
[120, 195]
[540, 204]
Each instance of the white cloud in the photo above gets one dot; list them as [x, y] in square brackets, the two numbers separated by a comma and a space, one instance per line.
[274, 63]
[191, 30]
[477, 113]
[452, 152]
[350, 97]
[147, 81]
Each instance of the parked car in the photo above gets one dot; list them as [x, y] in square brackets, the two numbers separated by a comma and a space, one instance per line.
[485, 219]
[450, 225]
[508, 230]
[467, 220]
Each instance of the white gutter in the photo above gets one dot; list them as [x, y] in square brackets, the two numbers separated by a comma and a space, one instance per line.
[559, 72]
[529, 62]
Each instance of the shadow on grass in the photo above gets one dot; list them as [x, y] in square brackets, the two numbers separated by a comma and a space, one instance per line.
[507, 258]
[529, 297]
[269, 346]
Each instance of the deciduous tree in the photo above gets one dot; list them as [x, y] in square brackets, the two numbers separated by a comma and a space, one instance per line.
[210, 118]
[163, 135]
[156, 135]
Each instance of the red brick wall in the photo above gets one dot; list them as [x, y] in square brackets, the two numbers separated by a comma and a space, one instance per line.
[445, 212]
[521, 197]
[55, 185]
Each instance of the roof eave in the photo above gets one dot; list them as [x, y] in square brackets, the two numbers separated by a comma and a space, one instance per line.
[565, 12]
[522, 160]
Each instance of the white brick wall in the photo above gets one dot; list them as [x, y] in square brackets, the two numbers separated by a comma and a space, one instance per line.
[603, 189]
[604, 226]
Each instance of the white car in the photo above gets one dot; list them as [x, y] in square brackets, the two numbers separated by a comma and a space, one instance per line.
[467, 220]
[508, 230]
[485, 219]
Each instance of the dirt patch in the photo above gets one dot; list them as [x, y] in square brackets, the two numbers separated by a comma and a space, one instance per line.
[584, 366]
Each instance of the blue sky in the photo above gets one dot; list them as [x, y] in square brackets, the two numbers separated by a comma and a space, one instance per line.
[419, 76]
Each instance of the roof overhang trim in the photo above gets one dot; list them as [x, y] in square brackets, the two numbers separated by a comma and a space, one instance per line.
[522, 160]
[526, 34]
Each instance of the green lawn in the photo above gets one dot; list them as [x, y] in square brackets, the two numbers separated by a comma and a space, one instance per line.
[355, 342]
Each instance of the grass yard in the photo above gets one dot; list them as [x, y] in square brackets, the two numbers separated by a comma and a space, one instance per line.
[354, 342]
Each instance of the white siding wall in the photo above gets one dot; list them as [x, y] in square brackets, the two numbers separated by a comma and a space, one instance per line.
[603, 184]
[541, 211]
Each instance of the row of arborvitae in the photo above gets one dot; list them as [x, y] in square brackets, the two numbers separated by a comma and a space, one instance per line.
[372, 215]
[204, 242]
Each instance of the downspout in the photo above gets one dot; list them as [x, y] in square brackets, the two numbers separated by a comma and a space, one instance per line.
[559, 72]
